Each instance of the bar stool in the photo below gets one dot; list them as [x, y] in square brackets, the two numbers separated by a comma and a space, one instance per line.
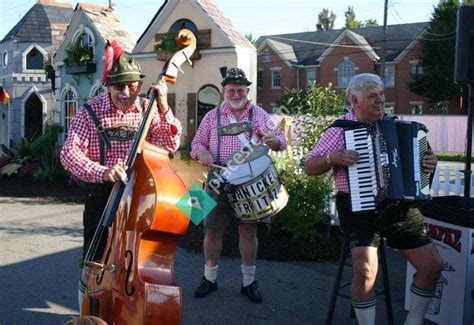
[345, 252]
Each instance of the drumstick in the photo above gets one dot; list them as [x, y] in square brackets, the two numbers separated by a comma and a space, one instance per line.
[217, 166]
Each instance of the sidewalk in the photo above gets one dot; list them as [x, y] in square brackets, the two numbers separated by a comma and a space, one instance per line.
[41, 241]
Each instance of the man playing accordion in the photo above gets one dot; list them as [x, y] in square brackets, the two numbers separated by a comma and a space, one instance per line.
[401, 224]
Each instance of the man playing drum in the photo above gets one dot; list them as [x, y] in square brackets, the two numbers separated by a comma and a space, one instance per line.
[213, 145]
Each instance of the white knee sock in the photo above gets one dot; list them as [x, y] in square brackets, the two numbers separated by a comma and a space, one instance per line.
[80, 294]
[365, 311]
[210, 272]
[420, 300]
[248, 274]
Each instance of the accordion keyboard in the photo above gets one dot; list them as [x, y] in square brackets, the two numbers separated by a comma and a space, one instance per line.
[362, 175]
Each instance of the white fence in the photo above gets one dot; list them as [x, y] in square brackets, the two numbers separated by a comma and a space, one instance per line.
[449, 180]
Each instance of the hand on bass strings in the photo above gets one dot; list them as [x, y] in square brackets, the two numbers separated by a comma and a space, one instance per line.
[161, 90]
[429, 161]
[115, 174]
[343, 157]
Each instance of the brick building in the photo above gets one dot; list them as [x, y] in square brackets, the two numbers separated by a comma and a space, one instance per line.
[322, 57]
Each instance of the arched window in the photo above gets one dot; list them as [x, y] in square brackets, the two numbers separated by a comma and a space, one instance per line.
[34, 59]
[86, 41]
[345, 71]
[69, 101]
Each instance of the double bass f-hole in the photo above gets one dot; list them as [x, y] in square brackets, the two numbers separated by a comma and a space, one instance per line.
[129, 256]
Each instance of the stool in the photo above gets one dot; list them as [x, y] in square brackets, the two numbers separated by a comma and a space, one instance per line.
[337, 284]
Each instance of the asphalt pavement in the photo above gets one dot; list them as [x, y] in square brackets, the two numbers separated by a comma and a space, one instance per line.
[40, 244]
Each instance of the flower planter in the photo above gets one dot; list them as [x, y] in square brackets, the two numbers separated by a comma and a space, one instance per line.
[81, 68]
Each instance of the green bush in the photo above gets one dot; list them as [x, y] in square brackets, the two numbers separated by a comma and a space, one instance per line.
[451, 157]
[45, 149]
[314, 108]
[307, 204]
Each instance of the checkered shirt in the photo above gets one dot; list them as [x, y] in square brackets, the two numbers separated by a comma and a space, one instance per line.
[331, 140]
[80, 154]
[206, 135]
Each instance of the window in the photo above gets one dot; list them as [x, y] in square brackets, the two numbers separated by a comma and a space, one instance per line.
[5, 59]
[415, 68]
[266, 56]
[276, 78]
[260, 79]
[389, 76]
[34, 59]
[69, 107]
[345, 71]
[86, 41]
[310, 78]
[389, 108]
[416, 107]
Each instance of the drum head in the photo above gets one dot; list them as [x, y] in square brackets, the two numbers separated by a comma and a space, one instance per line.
[245, 172]
[247, 154]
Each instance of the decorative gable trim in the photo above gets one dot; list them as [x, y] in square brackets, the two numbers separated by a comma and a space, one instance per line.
[357, 39]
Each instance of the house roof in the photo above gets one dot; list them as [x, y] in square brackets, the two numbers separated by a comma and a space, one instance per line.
[216, 15]
[36, 25]
[107, 24]
[310, 46]
[224, 23]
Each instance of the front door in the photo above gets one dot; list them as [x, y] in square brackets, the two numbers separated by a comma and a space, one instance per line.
[33, 117]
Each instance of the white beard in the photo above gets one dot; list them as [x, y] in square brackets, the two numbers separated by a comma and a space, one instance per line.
[237, 105]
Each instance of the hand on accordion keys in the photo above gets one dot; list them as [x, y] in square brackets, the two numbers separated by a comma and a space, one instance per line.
[429, 161]
[343, 157]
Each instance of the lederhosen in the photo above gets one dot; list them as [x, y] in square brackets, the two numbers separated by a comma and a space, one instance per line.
[98, 194]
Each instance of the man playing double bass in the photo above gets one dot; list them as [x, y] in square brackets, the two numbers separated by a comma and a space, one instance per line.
[213, 145]
[99, 139]
[400, 223]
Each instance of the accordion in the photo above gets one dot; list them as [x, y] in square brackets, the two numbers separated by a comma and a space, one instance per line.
[389, 165]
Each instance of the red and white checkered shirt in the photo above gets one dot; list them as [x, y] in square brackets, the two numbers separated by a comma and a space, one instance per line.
[80, 154]
[206, 135]
[333, 139]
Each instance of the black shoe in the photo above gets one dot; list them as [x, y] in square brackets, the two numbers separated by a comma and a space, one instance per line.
[251, 291]
[205, 287]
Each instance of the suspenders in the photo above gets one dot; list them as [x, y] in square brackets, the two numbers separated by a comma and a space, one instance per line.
[103, 139]
[220, 132]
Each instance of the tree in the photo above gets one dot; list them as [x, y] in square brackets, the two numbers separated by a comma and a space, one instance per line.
[351, 21]
[325, 20]
[251, 38]
[437, 56]
[371, 22]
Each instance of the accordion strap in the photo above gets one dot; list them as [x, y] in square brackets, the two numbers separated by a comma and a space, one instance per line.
[349, 124]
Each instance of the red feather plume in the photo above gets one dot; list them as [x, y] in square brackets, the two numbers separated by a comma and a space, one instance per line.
[112, 53]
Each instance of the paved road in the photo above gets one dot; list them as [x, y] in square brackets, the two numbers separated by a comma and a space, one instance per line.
[40, 246]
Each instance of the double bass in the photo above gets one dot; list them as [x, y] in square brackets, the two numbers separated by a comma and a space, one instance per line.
[133, 282]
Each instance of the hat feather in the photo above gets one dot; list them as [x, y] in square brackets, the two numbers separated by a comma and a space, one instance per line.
[112, 53]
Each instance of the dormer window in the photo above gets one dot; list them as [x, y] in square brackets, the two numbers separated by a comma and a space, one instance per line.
[34, 60]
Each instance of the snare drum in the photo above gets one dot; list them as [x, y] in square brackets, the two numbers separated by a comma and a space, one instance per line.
[254, 188]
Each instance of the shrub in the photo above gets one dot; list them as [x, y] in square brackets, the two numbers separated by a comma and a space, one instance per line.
[45, 149]
[307, 206]
[314, 108]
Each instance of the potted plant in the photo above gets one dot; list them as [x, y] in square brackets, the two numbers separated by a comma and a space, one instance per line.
[165, 46]
[79, 59]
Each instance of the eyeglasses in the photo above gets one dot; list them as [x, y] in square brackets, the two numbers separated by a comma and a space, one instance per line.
[239, 91]
[131, 87]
